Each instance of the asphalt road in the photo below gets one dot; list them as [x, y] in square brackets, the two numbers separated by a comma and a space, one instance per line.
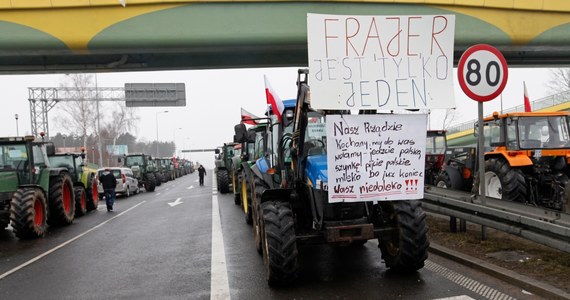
[184, 241]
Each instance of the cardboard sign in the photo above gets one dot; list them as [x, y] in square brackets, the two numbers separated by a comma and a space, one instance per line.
[381, 62]
[376, 157]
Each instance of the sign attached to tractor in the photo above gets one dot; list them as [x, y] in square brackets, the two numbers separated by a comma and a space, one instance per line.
[482, 72]
[376, 157]
[381, 62]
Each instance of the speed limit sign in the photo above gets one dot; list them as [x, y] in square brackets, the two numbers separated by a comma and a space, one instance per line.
[482, 72]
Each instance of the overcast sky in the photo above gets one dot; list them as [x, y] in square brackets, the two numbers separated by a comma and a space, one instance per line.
[214, 98]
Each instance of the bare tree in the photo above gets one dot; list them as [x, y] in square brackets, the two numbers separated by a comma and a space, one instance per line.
[450, 115]
[123, 120]
[559, 80]
[78, 117]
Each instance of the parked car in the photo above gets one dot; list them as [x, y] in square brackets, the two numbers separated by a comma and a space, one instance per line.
[127, 184]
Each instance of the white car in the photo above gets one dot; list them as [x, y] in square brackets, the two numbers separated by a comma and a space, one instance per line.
[127, 184]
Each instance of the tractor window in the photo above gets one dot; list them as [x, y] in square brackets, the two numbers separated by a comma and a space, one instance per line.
[13, 156]
[545, 132]
[492, 133]
[134, 161]
[316, 134]
[259, 145]
[435, 144]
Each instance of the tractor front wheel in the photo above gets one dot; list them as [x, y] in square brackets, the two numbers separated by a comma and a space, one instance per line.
[149, 182]
[259, 188]
[279, 244]
[28, 213]
[443, 181]
[406, 248]
[223, 181]
[503, 182]
[80, 201]
[61, 200]
[92, 193]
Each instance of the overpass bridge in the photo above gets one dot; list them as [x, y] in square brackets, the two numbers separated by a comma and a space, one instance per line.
[55, 36]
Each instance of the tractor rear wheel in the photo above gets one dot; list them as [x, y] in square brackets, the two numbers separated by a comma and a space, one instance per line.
[279, 244]
[92, 193]
[61, 200]
[149, 182]
[80, 201]
[259, 187]
[503, 182]
[223, 181]
[406, 248]
[28, 213]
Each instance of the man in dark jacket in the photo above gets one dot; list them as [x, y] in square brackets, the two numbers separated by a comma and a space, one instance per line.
[201, 173]
[109, 182]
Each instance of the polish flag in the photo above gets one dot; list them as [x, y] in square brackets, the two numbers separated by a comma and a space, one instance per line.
[247, 117]
[273, 99]
[526, 100]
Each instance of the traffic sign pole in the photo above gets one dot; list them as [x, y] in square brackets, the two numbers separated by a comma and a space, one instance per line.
[482, 72]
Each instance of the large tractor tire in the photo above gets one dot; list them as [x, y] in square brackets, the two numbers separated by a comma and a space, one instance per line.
[149, 182]
[80, 201]
[92, 193]
[236, 186]
[61, 200]
[28, 213]
[504, 182]
[259, 186]
[158, 179]
[223, 181]
[279, 244]
[246, 199]
[406, 248]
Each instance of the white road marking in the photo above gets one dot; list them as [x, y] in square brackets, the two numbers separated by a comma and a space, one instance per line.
[462, 297]
[466, 282]
[33, 260]
[176, 202]
[219, 286]
[190, 187]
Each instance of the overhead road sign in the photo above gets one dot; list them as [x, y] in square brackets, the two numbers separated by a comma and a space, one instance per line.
[155, 94]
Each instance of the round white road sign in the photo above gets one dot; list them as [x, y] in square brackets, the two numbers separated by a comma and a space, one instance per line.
[482, 72]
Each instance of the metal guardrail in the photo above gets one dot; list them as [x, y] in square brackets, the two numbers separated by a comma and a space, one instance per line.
[535, 105]
[547, 227]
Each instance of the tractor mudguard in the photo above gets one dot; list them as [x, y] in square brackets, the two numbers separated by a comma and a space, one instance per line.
[283, 195]
[455, 176]
[56, 171]
[519, 160]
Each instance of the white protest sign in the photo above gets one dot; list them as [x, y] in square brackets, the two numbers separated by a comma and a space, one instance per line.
[376, 157]
[381, 62]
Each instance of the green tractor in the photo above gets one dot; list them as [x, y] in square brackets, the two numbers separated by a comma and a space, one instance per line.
[252, 148]
[143, 170]
[33, 194]
[224, 155]
[84, 178]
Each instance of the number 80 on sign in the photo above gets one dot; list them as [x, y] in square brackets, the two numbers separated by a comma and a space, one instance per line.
[482, 72]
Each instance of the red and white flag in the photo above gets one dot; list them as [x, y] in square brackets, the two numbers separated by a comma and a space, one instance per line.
[247, 117]
[526, 100]
[273, 100]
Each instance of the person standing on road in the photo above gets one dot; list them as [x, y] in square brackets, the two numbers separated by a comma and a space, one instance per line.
[201, 173]
[109, 183]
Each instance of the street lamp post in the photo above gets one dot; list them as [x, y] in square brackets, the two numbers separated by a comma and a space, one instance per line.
[158, 112]
[179, 128]
[17, 130]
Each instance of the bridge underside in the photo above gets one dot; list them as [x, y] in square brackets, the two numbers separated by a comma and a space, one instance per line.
[209, 35]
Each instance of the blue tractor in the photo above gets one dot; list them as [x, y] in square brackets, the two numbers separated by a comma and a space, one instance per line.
[290, 204]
